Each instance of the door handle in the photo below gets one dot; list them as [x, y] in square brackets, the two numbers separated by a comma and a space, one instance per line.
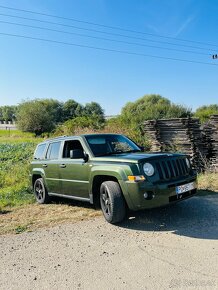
[63, 165]
[44, 165]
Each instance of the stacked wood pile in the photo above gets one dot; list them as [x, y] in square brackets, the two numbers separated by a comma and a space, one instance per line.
[152, 131]
[185, 135]
[210, 135]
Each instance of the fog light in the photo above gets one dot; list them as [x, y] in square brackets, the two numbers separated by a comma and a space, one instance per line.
[149, 195]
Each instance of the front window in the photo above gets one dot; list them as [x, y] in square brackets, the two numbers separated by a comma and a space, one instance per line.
[108, 144]
[71, 145]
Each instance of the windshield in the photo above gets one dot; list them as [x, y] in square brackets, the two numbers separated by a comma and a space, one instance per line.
[102, 145]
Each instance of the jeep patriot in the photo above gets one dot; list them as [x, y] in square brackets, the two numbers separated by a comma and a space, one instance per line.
[110, 170]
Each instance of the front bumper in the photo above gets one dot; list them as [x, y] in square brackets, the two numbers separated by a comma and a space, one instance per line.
[164, 194]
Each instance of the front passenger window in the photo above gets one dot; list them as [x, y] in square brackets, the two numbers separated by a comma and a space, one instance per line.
[71, 145]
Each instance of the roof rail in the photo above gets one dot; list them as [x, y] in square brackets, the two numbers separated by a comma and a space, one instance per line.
[56, 138]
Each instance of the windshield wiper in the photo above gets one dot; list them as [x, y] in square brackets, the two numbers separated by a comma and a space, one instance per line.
[110, 153]
[118, 152]
[133, 151]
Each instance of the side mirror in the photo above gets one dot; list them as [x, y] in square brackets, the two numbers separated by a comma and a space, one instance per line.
[78, 154]
[142, 148]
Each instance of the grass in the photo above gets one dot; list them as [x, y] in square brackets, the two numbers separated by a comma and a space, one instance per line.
[18, 210]
[30, 217]
[208, 182]
[16, 136]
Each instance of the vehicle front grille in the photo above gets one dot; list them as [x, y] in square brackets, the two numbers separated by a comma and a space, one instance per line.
[172, 168]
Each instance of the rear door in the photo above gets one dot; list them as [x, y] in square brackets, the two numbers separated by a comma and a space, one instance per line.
[74, 173]
[51, 167]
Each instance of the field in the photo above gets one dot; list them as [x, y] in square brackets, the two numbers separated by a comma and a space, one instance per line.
[18, 209]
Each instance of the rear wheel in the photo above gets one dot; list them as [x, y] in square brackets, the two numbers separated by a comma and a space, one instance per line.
[112, 202]
[40, 191]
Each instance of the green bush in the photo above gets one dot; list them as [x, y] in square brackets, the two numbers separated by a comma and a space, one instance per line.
[204, 112]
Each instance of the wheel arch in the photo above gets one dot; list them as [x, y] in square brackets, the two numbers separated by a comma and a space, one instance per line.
[37, 173]
[96, 184]
[35, 177]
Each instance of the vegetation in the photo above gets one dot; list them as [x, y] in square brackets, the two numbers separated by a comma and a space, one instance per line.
[40, 116]
[15, 154]
[7, 113]
[152, 107]
[204, 112]
[34, 116]
[208, 181]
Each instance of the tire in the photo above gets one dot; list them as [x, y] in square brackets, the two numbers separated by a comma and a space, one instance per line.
[40, 191]
[112, 202]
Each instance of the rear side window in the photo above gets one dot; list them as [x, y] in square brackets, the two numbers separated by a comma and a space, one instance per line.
[53, 150]
[39, 154]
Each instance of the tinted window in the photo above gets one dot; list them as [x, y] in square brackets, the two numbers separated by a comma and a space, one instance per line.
[39, 154]
[53, 150]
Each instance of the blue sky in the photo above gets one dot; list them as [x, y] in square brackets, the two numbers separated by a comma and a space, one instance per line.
[37, 69]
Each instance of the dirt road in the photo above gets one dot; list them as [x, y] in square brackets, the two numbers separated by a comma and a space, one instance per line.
[175, 247]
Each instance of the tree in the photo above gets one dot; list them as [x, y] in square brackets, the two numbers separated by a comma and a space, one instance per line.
[148, 107]
[79, 125]
[33, 116]
[7, 113]
[71, 109]
[55, 109]
[152, 107]
[93, 109]
[204, 112]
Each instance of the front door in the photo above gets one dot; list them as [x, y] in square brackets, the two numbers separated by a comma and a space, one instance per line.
[74, 175]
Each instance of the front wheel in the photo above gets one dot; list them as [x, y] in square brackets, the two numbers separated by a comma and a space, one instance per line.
[40, 191]
[112, 202]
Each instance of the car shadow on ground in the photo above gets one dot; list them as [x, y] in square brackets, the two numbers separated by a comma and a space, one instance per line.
[4, 211]
[196, 217]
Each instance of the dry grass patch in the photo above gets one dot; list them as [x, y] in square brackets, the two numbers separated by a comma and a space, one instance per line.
[34, 216]
[208, 181]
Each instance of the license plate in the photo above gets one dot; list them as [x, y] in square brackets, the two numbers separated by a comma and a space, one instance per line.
[185, 187]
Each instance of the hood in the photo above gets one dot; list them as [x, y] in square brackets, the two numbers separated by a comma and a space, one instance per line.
[135, 157]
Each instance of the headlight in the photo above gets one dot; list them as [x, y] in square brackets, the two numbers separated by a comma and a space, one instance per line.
[148, 169]
[187, 162]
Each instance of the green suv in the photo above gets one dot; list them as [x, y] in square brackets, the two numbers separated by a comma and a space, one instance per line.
[109, 170]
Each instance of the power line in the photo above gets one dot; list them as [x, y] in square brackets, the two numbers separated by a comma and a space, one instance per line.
[102, 38]
[103, 32]
[106, 49]
[105, 26]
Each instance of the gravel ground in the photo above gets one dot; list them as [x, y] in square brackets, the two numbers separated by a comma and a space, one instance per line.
[174, 247]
